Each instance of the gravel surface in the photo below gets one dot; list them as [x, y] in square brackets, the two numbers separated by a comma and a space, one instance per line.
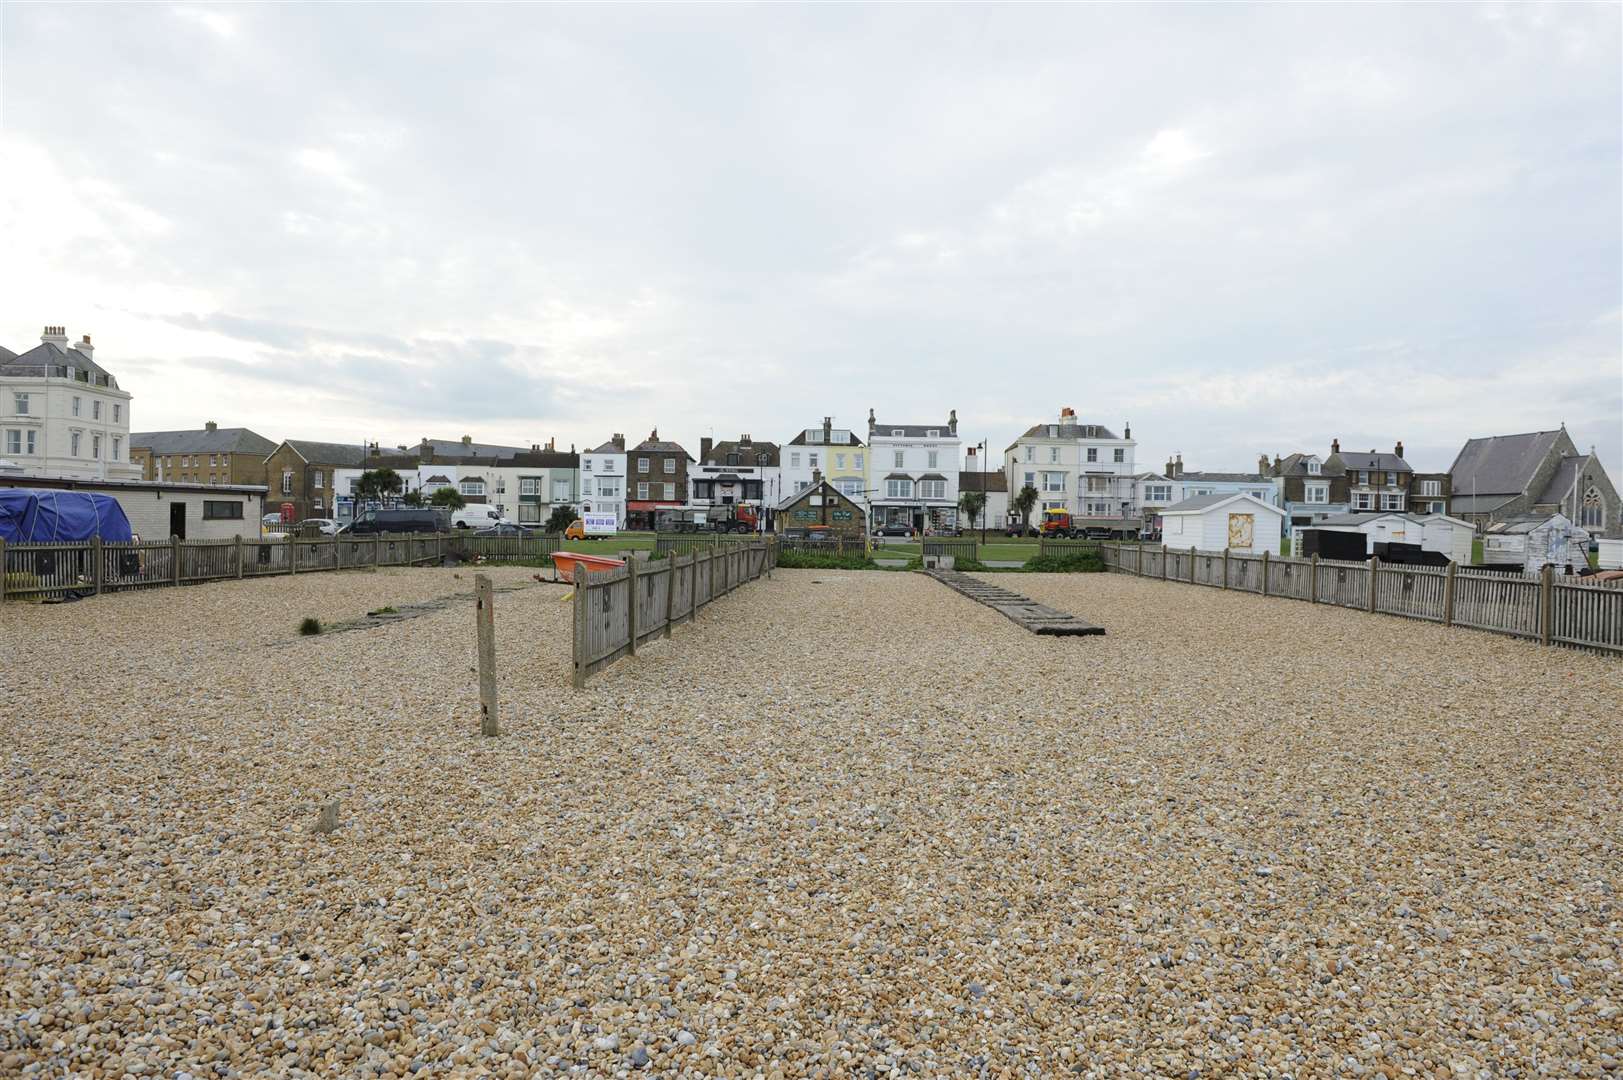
[847, 824]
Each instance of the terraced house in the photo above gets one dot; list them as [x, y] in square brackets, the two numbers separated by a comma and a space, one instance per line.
[1084, 469]
[836, 453]
[210, 454]
[302, 476]
[62, 414]
[913, 473]
[656, 479]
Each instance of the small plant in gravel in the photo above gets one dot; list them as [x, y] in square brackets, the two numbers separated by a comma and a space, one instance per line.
[385, 610]
[310, 626]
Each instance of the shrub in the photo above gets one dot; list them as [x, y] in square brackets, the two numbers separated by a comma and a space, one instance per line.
[310, 626]
[817, 560]
[1072, 562]
[562, 517]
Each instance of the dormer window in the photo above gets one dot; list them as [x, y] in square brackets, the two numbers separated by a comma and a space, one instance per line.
[934, 433]
[1313, 467]
[896, 431]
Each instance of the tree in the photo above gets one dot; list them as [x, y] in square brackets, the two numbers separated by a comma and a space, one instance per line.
[413, 498]
[561, 518]
[1023, 503]
[447, 497]
[972, 503]
[376, 485]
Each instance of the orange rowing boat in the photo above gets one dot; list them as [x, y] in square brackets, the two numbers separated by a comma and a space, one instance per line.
[565, 563]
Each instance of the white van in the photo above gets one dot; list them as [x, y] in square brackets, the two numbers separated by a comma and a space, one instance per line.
[477, 516]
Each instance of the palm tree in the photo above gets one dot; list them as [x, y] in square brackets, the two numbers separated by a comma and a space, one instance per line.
[1023, 503]
[377, 484]
[972, 503]
[448, 497]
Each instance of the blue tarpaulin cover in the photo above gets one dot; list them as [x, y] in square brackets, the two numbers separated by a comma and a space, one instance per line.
[43, 515]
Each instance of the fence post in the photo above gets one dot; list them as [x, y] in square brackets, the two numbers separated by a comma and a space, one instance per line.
[1546, 604]
[1225, 568]
[670, 592]
[2, 570]
[1191, 564]
[292, 554]
[1265, 571]
[1313, 580]
[484, 613]
[1164, 562]
[377, 549]
[239, 556]
[1139, 568]
[174, 558]
[95, 554]
[1374, 573]
[577, 577]
[1448, 594]
[631, 608]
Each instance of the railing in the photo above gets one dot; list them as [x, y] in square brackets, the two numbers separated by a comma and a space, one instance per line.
[959, 547]
[1544, 608]
[1057, 546]
[36, 571]
[839, 546]
[617, 610]
[687, 543]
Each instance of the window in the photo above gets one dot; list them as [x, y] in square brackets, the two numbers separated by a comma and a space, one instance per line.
[1053, 454]
[899, 459]
[609, 489]
[212, 461]
[839, 462]
[934, 433]
[73, 444]
[118, 410]
[315, 504]
[529, 513]
[932, 489]
[643, 466]
[670, 492]
[811, 459]
[1157, 493]
[529, 485]
[1363, 500]
[670, 465]
[21, 402]
[95, 445]
[897, 432]
[30, 448]
[221, 510]
[315, 478]
[1394, 479]
[1363, 477]
[857, 463]
[1031, 453]
[934, 458]
[14, 441]
[76, 402]
[287, 481]
[116, 440]
[898, 489]
[1316, 493]
[1031, 480]
[467, 487]
[794, 459]
[1053, 481]
[560, 489]
[849, 486]
[1098, 509]
[1437, 508]
[1431, 487]
[642, 490]
[1120, 455]
[1313, 468]
[1391, 501]
[1093, 453]
[1099, 485]
[1591, 515]
[95, 410]
[732, 459]
[586, 463]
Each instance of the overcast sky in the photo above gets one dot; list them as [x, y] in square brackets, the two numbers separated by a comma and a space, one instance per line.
[1240, 229]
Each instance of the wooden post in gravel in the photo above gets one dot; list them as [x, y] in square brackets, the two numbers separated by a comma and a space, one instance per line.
[1163, 562]
[1374, 572]
[377, 549]
[1225, 568]
[576, 576]
[239, 556]
[2, 570]
[670, 592]
[631, 593]
[485, 621]
[1265, 571]
[1448, 594]
[95, 555]
[1546, 604]
[1191, 564]
[1313, 580]
[174, 559]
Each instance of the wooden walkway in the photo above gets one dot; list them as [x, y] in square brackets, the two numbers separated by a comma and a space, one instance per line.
[1038, 618]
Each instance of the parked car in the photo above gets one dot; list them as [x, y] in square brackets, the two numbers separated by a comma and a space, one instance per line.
[324, 526]
[1017, 529]
[905, 531]
[404, 519]
[477, 516]
[507, 529]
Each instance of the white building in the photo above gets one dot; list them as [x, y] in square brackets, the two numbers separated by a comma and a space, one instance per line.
[1437, 534]
[837, 453]
[603, 480]
[913, 474]
[985, 476]
[1242, 524]
[1086, 470]
[62, 414]
[159, 510]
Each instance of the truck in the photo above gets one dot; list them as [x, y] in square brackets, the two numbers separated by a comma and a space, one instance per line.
[728, 518]
[1059, 524]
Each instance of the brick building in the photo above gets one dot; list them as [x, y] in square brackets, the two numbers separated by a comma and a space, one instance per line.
[210, 454]
[302, 476]
[656, 479]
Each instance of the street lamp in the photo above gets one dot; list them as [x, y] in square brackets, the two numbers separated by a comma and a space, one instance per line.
[984, 452]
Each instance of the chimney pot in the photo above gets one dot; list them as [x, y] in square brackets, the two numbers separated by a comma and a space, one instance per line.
[1335, 446]
[1398, 449]
[211, 426]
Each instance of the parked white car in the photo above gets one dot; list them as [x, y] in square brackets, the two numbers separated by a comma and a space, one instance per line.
[477, 516]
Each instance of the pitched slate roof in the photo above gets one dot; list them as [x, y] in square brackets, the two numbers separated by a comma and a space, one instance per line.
[912, 431]
[1372, 462]
[662, 446]
[1501, 464]
[834, 437]
[1296, 465]
[231, 440]
[994, 481]
[456, 448]
[1197, 503]
[545, 459]
[610, 447]
[1567, 473]
[50, 354]
[1225, 477]
[746, 452]
[328, 453]
[1070, 431]
[5, 354]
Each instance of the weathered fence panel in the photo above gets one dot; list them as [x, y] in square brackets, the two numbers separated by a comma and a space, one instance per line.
[1573, 611]
[617, 610]
[959, 547]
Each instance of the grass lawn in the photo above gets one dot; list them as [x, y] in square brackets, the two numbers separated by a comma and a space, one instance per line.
[608, 545]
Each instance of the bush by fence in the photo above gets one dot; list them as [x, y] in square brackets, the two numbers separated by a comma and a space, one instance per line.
[37, 571]
[617, 610]
[1546, 609]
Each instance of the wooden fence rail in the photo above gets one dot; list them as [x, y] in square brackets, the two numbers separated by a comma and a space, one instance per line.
[32, 571]
[617, 610]
[1574, 612]
[687, 543]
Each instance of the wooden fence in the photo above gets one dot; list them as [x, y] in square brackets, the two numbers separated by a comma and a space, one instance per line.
[1546, 608]
[959, 547]
[617, 610]
[687, 543]
[1057, 546]
[854, 546]
[34, 571]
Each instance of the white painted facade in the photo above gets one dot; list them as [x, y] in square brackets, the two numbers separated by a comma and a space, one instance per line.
[913, 473]
[603, 481]
[62, 416]
[1207, 527]
[1447, 536]
[211, 511]
[1084, 469]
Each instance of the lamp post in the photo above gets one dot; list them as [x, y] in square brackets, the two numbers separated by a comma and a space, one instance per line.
[984, 452]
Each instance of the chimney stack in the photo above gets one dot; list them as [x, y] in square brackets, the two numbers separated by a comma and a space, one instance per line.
[1127, 429]
[828, 427]
[705, 445]
[1169, 469]
[744, 440]
[817, 477]
[1398, 449]
[467, 442]
[1262, 464]
[84, 347]
[1179, 464]
[535, 448]
[872, 423]
[425, 452]
[55, 335]
[1335, 446]
[210, 425]
[1067, 415]
[952, 421]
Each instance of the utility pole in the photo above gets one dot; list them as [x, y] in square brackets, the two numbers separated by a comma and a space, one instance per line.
[983, 492]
